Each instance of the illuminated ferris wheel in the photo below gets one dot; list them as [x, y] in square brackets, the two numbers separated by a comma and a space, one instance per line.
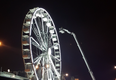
[40, 46]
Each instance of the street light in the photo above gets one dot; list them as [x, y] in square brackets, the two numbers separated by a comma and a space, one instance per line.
[62, 30]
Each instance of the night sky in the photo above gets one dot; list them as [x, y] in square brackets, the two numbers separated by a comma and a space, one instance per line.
[93, 22]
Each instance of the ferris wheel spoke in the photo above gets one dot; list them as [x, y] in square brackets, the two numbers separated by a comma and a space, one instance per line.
[36, 34]
[51, 74]
[53, 67]
[54, 57]
[49, 41]
[44, 33]
[44, 27]
[47, 74]
[38, 59]
[37, 27]
[54, 45]
[46, 40]
[39, 33]
[35, 43]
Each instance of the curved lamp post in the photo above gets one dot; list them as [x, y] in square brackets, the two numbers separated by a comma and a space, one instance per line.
[62, 30]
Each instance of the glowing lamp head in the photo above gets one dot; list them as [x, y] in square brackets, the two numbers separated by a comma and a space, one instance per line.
[61, 30]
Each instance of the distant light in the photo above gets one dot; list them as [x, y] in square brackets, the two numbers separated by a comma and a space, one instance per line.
[13, 76]
[8, 70]
[114, 67]
[47, 65]
[66, 74]
[36, 67]
[76, 78]
[0, 43]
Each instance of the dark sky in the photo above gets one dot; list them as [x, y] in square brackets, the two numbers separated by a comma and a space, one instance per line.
[93, 22]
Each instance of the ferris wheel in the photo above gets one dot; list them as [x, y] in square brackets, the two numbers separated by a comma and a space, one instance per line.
[40, 46]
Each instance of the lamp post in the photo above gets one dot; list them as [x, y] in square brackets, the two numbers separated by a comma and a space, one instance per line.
[62, 30]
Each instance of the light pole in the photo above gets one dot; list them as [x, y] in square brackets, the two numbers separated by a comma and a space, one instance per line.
[62, 30]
